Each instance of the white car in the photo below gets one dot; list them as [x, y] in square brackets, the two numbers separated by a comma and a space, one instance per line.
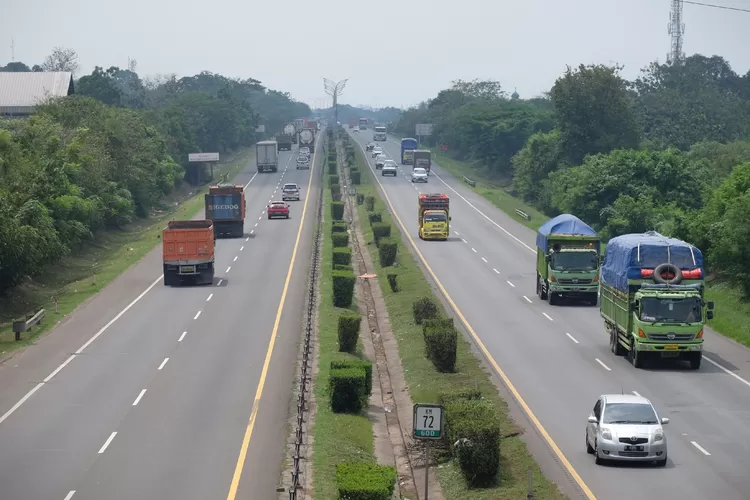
[377, 151]
[290, 191]
[380, 160]
[625, 427]
[303, 162]
[389, 168]
[419, 175]
[304, 151]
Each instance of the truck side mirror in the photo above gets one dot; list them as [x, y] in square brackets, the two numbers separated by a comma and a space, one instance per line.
[637, 304]
[547, 258]
[709, 315]
[449, 218]
[711, 305]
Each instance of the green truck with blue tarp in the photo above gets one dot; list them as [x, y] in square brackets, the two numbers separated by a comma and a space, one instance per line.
[567, 260]
[652, 298]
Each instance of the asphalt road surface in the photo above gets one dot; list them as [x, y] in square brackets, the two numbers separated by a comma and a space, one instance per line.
[558, 358]
[148, 391]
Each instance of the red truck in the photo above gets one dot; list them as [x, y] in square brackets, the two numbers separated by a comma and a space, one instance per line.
[188, 250]
[225, 206]
[352, 123]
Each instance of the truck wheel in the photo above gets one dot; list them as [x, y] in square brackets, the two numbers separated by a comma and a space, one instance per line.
[594, 300]
[635, 358]
[614, 343]
[695, 360]
[551, 299]
[542, 290]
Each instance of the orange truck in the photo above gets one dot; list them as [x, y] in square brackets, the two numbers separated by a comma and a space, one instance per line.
[188, 248]
[225, 206]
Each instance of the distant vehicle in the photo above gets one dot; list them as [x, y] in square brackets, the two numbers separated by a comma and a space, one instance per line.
[304, 151]
[380, 161]
[266, 156]
[626, 427]
[277, 209]
[290, 191]
[225, 206]
[389, 168]
[363, 123]
[303, 163]
[423, 158]
[376, 151]
[408, 146]
[356, 129]
[419, 175]
[352, 123]
[307, 139]
[284, 141]
[434, 216]
[188, 252]
[369, 146]
[379, 133]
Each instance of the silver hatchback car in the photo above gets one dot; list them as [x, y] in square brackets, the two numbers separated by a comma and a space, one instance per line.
[626, 427]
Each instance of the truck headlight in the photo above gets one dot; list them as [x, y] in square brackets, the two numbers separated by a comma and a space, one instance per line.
[607, 434]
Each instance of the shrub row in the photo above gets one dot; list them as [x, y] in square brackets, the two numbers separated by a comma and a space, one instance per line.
[343, 273]
[441, 343]
[365, 481]
[348, 330]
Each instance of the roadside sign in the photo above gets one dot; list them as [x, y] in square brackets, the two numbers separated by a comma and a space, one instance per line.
[443, 148]
[423, 129]
[428, 421]
[203, 157]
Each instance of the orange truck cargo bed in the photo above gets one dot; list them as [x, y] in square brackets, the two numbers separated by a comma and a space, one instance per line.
[188, 241]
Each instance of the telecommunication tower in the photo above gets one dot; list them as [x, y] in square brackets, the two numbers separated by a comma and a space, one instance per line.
[676, 29]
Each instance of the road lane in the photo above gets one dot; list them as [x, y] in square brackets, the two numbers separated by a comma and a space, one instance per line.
[562, 396]
[62, 427]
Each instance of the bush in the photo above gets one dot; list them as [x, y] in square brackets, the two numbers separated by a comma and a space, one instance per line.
[370, 203]
[342, 256]
[356, 363]
[438, 322]
[337, 210]
[333, 179]
[332, 156]
[393, 282]
[441, 343]
[473, 433]
[381, 230]
[332, 170]
[347, 389]
[340, 240]
[356, 177]
[365, 481]
[446, 398]
[387, 252]
[360, 199]
[375, 217]
[348, 330]
[339, 227]
[424, 308]
[343, 267]
[335, 190]
[343, 288]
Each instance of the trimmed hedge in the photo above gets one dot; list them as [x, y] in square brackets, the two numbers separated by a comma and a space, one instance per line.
[347, 389]
[338, 227]
[446, 398]
[356, 363]
[381, 230]
[335, 189]
[343, 288]
[387, 249]
[356, 176]
[424, 308]
[375, 217]
[343, 267]
[393, 282]
[337, 210]
[333, 179]
[438, 322]
[360, 199]
[473, 433]
[441, 343]
[342, 256]
[365, 481]
[348, 330]
[340, 240]
[370, 203]
[332, 170]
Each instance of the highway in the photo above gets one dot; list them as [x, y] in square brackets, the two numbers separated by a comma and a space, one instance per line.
[152, 392]
[557, 358]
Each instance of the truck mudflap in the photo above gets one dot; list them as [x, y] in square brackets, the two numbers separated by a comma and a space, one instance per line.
[196, 273]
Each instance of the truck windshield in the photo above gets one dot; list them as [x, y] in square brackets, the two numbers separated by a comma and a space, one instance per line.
[434, 218]
[574, 261]
[671, 310]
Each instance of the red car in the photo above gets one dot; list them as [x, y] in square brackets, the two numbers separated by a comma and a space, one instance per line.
[278, 209]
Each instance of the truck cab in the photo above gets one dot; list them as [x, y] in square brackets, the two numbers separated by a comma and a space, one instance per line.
[434, 216]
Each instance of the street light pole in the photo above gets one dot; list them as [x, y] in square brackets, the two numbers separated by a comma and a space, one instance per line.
[334, 89]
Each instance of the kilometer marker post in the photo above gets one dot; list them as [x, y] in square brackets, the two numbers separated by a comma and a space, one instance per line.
[428, 426]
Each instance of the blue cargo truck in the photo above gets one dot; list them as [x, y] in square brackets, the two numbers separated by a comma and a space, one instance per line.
[408, 146]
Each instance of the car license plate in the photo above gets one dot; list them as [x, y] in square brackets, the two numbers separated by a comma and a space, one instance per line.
[671, 347]
[633, 448]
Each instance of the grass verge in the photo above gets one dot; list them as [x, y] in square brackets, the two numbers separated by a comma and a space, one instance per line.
[77, 277]
[425, 383]
[732, 310]
[338, 437]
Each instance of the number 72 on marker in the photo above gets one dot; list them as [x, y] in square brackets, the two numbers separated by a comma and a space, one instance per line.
[428, 421]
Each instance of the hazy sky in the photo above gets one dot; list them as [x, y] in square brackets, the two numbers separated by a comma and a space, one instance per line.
[394, 52]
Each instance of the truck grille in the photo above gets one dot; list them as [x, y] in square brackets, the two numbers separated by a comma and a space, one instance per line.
[675, 337]
[574, 281]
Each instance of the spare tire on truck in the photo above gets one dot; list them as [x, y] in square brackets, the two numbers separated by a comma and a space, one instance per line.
[668, 274]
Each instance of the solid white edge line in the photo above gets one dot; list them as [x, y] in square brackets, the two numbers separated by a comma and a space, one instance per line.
[700, 448]
[572, 338]
[106, 443]
[182, 336]
[725, 370]
[603, 365]
[70, 495]
[138, 399]
[163, 363]
[547, 316]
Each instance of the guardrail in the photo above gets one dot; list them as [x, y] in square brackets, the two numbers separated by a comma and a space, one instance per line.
[469, 181]
[20, 326]
[523, 214]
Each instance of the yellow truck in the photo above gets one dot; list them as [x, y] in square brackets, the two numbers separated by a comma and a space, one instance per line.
[434, 216]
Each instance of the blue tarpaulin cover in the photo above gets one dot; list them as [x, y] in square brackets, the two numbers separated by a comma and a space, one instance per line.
[627, 254]
[224, 207]
[564, 225]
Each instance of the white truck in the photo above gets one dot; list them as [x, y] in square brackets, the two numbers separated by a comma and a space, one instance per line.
[266, 156]
[289, 129]
[379, 134]
[307, 139]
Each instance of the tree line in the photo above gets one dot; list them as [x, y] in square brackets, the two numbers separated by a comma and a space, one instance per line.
[105, 156]
[668, 151]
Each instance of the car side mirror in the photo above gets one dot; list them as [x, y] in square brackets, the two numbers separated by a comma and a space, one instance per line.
[592, 419]
[664, 421]
[709, 315]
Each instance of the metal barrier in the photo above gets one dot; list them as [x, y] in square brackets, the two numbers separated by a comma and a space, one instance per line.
[523, 214]
[469, 181]
[20, 326]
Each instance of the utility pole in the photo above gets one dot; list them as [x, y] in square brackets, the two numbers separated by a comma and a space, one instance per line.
[676, 29]
[12, 50]
[334, 89]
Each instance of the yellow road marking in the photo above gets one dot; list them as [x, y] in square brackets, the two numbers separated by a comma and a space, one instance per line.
[556, 449]
[264, 373]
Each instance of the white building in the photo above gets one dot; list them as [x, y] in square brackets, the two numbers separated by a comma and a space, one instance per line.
[21, 92]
